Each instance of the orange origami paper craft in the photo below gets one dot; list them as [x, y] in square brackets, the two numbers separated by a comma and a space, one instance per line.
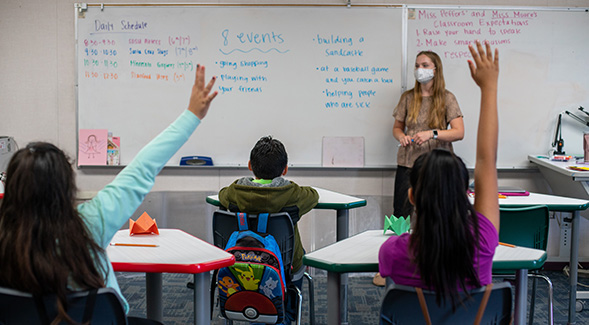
[145, 225]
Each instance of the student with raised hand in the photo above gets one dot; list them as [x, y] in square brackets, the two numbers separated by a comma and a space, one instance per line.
[50, 246]
[452, 243]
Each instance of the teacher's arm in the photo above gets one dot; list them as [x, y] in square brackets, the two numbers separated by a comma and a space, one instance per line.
[399, 133]
[454, 133]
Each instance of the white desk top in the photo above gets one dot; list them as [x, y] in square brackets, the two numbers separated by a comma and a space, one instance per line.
[561, 167]
[554, 202]
[359, 253]
[178, 252]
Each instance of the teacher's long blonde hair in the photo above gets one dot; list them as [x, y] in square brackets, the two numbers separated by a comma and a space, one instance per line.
[437, 117]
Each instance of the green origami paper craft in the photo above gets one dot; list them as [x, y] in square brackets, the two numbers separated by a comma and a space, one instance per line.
[397, 225]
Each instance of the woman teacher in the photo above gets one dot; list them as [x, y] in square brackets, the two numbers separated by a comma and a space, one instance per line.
[422, 117]
[421, 124]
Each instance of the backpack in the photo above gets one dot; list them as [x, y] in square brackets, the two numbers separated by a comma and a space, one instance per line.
[253, 289]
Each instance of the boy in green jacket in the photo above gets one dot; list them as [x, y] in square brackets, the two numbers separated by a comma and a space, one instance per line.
[269, 192]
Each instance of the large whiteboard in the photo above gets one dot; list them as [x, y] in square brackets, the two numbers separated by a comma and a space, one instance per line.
[297, 73]
[305, 73]
[543, 71]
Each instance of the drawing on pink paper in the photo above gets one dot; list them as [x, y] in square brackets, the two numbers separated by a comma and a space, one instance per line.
[92, 147]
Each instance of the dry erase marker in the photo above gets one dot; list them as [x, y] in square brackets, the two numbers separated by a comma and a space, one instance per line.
[508, 245]
[134, 245]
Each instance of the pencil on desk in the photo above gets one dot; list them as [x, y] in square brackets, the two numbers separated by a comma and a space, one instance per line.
[506, 244]
[501, 196]
[134, 245]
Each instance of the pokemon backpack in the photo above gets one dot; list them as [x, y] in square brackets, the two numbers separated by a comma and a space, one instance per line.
[253, 289]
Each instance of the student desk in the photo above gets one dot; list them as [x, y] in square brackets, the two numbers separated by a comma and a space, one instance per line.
[359, 253]
[571, 183]
[330, 200]
[563, 181]
[177, 252]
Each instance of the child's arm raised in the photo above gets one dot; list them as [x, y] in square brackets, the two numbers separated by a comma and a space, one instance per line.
[201, 96]
[485, 72]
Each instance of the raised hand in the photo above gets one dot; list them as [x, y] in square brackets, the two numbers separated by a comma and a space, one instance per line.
[201, 96]
[485, 69]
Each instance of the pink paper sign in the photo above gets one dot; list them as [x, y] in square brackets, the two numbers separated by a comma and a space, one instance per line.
[92, 147]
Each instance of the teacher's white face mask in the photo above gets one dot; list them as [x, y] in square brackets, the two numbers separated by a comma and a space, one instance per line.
[423, 75]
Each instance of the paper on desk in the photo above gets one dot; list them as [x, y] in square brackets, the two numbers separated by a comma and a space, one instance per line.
[144, 225]
[505, 253]
[397, 225]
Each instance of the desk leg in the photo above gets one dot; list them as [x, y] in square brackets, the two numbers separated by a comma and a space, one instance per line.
[153, 296]
[333, 298]
[202, 302]
[573, 267]
[342, 221]
[521, 296]
[343, 231]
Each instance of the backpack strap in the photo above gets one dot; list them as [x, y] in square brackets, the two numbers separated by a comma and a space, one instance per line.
[90, 303]
[483, 304]
[480, 311]
[423, 305]
[242, 221]
[41, 310]
[262, 222]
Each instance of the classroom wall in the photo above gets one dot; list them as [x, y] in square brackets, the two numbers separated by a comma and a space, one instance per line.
[38, 102]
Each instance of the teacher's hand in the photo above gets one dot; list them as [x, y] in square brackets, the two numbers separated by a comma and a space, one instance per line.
[201, 98]
[405, 140]
[422, 136]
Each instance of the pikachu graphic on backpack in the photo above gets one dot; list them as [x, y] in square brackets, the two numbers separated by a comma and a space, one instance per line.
[253, 289]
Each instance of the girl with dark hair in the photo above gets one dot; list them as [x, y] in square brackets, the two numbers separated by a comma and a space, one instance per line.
[451, 245]
[50, 246]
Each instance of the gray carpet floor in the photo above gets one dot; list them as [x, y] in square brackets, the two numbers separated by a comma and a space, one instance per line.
[363, 306]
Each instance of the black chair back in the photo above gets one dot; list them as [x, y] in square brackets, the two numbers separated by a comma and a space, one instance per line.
[102, 306]
[401, 305]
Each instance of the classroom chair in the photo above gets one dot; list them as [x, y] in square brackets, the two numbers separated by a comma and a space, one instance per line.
[409, 305]
[528, 227]
[101, 306]
[281, 228]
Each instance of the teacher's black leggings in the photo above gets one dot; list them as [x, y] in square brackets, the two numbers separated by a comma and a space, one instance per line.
[401, 205]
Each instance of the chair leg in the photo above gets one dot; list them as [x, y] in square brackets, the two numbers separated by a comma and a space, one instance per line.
[311, 287]
[550, 296]
[299, 299]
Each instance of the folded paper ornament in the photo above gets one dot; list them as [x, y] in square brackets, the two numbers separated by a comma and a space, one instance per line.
[399, 225]
[145, 225]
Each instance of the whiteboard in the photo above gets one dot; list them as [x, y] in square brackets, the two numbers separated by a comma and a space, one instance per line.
[543, 71]
[296, 73]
